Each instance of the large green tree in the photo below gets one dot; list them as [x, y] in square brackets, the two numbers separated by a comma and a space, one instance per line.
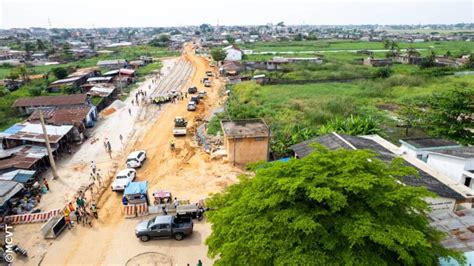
[450, 114]
[329, 208]
[218, 54]
[60, 72]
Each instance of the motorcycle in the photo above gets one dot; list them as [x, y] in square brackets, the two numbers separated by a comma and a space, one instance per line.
[200, 213]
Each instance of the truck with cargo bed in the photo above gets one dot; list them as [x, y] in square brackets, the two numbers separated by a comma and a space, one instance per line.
[165, 226]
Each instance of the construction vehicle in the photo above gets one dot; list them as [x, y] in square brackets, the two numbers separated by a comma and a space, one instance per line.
[179, 126]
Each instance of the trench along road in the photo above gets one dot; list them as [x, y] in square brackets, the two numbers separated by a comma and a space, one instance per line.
[187, 172]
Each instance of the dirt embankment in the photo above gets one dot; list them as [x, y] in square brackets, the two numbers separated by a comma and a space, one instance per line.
[187, 172]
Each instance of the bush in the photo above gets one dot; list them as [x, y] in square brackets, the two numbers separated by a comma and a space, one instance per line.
[35, 91]
[214, 126]
[383, 72]
[70, 90]
[353, 125]
[404, 80]
[59, 72]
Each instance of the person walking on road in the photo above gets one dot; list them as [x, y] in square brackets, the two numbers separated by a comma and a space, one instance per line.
[172, 146]
[93, 167]
[163, 210]
[67, 219]
[78, 215]
[45, 183]
[129, 111]
[94, 210]
[176, 203]
[121, 138]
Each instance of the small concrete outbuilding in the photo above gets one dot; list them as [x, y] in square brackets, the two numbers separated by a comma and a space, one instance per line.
[246, 141]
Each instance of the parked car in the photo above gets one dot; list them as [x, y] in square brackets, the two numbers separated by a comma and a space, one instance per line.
[209, 73]
[207, 83]
[165, 226]
[136, 159]
[123, 178]
[192, 89]
[191, 106]
[201, 94]
[195, 99]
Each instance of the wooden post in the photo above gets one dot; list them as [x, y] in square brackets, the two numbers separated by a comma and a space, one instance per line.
[48, 146]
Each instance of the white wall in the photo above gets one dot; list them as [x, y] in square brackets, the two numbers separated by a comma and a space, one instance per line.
[469, 164]
[448, 165]
[233, 55]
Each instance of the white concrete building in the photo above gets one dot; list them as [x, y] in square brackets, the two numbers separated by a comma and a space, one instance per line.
[420, 147]
[457, 164]
[233, 53]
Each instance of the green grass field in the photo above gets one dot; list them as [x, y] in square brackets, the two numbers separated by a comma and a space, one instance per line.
[290, 108]
[323, 45]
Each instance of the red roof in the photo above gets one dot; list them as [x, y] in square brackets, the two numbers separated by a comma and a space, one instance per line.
[74, 99]
[126, 71]
[62, 116]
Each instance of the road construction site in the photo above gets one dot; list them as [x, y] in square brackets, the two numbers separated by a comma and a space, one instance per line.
[187, 171]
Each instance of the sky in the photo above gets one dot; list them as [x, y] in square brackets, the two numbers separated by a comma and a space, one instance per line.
[158, 13]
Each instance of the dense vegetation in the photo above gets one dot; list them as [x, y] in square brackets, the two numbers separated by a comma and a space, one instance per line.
[299, 112]
[306, 212]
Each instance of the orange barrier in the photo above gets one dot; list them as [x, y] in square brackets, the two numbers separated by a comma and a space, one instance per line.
[142, 209]
[129, 211]
[30, 217]
[134, 210]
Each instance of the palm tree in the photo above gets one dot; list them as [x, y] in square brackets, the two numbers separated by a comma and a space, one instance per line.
[40, 45]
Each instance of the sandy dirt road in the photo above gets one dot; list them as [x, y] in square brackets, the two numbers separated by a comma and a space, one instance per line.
[187, 172]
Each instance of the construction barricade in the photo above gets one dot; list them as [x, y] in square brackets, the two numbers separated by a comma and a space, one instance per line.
[135, 210]
[31, 217]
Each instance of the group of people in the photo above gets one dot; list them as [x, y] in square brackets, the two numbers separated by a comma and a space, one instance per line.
[81, 212]
[164, 210]
[139, 96]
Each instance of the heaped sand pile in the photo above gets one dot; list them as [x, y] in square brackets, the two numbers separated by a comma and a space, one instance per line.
[117, 104]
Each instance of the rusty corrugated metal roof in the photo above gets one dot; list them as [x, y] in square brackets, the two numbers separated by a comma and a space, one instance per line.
[60, 100]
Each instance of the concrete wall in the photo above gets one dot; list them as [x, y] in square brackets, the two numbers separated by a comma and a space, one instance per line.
[233, 55]
[441, 203]
[246, 150]
[450, 166]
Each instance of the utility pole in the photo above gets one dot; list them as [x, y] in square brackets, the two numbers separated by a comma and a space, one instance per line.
[48, 146]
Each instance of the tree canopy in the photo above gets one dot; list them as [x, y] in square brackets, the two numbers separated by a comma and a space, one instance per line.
[59, 72]
[162, 41]
[218, 54]
[329, 208]
[449, 115]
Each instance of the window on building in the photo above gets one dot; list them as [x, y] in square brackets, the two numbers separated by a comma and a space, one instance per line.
[467, 182]
[259, 138]
[238, 139]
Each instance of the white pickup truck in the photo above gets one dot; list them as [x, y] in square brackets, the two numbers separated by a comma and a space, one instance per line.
[123, 178]
[180, 126]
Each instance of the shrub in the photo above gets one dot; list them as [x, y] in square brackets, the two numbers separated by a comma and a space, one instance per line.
[353, 125]
[34, 91]
[383, 72]
[60, 72]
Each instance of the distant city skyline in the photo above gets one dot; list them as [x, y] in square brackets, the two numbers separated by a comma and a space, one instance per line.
[141, 13]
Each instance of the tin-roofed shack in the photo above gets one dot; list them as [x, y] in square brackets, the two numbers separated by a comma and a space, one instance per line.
[246, 141]
[29, 105]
